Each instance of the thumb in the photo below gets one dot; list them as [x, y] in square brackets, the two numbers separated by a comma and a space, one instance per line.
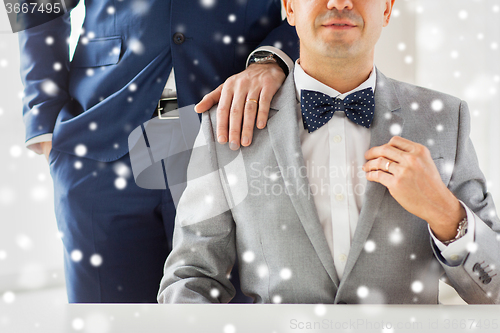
[209, 100]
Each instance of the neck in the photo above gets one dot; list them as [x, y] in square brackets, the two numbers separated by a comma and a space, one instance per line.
[343, 75]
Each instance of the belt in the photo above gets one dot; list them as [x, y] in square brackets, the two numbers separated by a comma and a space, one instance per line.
[167, 108]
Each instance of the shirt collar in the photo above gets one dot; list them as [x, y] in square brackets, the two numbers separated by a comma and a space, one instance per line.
[307, 82]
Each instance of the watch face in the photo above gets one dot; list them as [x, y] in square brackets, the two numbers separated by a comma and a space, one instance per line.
[262, 54]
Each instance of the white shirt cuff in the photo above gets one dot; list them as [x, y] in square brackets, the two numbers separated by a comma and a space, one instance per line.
[457, 251]
[283, 56]
[34, 143]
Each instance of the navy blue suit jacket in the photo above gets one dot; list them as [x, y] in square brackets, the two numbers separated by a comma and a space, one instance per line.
[123, 60]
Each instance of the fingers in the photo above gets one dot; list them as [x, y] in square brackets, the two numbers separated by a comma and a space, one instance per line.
[380, 170]
[266, 95]
[402, 151]
[236, 119]
[223, 96]
[386, 151]
[255, 110]
[413, 150]
[381, 177]
[394, 150]
[382, 164]
[391, 150]
[237, 111]
[223, 113]
[209, 100]
[402, 144]
[249, 114]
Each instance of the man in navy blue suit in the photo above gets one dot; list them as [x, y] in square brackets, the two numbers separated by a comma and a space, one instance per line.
[130, 55]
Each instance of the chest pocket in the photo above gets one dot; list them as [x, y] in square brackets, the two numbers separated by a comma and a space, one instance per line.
[98, 52]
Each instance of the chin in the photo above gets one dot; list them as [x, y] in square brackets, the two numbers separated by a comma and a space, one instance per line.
[339, 51]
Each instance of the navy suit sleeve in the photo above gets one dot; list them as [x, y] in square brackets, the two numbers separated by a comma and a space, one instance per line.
[44, 69]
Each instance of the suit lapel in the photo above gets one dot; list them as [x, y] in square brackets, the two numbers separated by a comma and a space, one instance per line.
[283, 133]
[387, 122]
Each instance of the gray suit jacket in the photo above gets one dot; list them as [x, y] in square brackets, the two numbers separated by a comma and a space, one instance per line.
[254, 206]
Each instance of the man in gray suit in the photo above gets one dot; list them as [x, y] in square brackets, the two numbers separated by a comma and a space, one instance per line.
[361, 189]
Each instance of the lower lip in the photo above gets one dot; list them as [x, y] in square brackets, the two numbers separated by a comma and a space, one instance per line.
[339, 27]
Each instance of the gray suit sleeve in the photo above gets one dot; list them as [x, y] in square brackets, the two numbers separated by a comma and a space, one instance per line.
[476, 279]
[197, 269]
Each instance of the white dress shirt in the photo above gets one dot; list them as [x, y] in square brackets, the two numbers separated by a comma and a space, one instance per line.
[334, 157]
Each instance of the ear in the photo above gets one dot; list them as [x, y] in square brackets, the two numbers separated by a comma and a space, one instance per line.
[388, 11]
[290, 11]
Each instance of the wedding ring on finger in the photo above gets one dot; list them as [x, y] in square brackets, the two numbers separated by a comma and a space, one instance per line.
[252, 100]
[387, 166]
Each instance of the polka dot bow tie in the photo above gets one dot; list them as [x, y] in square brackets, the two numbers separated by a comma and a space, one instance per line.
[318, 108]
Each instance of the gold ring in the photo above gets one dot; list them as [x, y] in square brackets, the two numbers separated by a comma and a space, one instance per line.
[252, 100]
[387, 166]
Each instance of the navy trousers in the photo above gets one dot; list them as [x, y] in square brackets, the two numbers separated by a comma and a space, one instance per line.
[116, 235]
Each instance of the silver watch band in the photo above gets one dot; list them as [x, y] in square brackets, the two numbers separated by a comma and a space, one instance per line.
[461, 231]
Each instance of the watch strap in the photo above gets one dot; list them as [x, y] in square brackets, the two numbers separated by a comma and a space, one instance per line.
[461, 231]
[265, 57]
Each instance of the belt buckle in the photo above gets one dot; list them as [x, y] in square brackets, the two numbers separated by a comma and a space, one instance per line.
[159, 108]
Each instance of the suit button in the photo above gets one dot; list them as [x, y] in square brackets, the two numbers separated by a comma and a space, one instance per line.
[179, 38]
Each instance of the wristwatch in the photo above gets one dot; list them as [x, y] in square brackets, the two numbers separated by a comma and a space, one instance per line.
[266, 57]
[461, 231]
